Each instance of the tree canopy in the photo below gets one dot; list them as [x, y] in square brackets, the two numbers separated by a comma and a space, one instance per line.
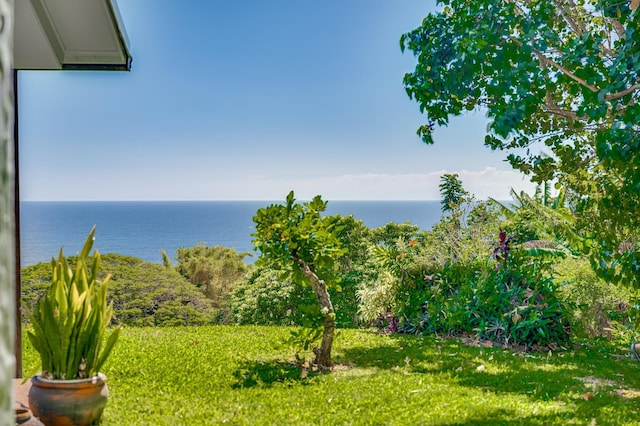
[560, 83]
[298, 236]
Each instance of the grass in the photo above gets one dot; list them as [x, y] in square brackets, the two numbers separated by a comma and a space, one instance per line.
[231, 374]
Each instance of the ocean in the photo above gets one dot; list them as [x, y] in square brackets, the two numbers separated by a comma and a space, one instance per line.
[143, 228]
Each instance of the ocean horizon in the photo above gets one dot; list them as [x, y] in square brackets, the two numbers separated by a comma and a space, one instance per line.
[143, 228]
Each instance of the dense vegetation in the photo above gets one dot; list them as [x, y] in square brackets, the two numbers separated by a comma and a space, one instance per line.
[560, 83]
[539, 295]
[515, 275]
[143, 293]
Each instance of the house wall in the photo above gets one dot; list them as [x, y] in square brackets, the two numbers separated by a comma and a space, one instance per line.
[7, 219]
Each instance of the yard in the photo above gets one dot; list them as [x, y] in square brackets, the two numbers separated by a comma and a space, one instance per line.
[238, 375]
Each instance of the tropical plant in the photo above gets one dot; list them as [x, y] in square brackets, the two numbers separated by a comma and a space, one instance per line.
[598, 308]
[298, 236]
[542, 218]
[560, 83]
[452, 192]
[70, 321]
[214, 270]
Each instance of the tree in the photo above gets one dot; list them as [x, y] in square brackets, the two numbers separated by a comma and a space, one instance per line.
[297, 235]
[560, 82]
[451, 191]
[215, 270]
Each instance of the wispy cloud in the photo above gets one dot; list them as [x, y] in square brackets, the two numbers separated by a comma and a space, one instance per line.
[488, 182]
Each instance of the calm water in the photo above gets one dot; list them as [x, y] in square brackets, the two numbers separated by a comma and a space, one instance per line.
[142, 229]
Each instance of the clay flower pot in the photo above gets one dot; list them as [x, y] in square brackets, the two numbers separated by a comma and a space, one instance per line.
[77, 402]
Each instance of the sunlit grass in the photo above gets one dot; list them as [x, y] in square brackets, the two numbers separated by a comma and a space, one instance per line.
[226, 374]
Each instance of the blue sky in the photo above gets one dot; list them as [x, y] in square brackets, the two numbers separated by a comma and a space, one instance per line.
[248, 99]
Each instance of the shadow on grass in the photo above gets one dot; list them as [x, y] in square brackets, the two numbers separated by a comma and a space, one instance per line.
[585, 383]
[265, 374]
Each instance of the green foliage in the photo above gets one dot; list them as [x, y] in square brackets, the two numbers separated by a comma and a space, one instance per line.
[443, 281]
[560, 83]
[515, 303]
[451, 192]
[301, 340]
[149, 294]
[214, 270]
[356, 266]
[230, 374]
[542, 218]
[293, 233]
[70, 320]
[142, 293]
[266, 296]
[378, 297]
[599, 308]
[389, 234]
[413, 264]
[298, 237]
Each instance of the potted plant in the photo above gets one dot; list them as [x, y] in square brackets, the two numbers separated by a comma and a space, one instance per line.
[68, 331]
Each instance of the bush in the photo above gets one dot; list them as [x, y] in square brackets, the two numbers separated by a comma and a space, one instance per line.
[518, 303]
[215, 271]
[599, 308]
[513, 301]
[267, 297]
[263, 297]
[143, 293]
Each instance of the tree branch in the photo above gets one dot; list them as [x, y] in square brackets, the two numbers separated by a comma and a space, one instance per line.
[559, 67]
[562, 8]
[617, 26]
[622, 93]
[562, 112]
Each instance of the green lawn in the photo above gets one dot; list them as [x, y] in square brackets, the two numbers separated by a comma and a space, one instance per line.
[229, 374]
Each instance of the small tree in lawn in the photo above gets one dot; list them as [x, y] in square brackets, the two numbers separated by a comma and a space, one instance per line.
[297, 235]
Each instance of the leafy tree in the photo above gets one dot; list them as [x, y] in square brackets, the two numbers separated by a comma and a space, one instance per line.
[354, 267]
[389, 234]
[560, 82]
[214, 270]
[298, 236]
[268, 295]
[452, 192]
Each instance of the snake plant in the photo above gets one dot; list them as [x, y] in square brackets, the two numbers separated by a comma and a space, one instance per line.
[70, 321]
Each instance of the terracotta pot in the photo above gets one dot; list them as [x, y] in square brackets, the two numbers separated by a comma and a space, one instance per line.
[68, 402]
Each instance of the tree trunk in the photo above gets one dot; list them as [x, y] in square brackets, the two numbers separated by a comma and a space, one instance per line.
[323, 353]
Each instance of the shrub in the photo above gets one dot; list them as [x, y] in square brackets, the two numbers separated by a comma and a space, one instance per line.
[215, 271]
[267, 297]
[513, 301]
[518, 303]
[143, 293]
[599, 308]
[264, 297]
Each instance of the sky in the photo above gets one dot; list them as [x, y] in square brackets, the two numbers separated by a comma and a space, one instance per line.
[247, 100]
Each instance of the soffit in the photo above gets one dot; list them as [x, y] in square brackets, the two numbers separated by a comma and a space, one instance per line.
[69, 34]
